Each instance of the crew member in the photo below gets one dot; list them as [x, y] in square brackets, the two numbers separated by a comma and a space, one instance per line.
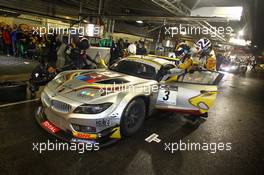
[85, 61]
[184, 53]
[132, 49]
[206, 54]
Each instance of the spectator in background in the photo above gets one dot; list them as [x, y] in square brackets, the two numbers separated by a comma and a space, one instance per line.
[132, 49]
[19, 36]
[43, 49]
[120, 46]
[126, 44]
[1, 40]
[14, 40]
[21, 40]
[31, 48]
[52, 49]
[7, 40]
[27, 43]
[254, 64]
[69, 48]
[117, 51]
[141, 50]
[219, 61]
[61, 51]
[113, 53]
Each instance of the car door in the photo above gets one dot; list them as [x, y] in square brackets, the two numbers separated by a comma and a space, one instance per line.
[192, 93]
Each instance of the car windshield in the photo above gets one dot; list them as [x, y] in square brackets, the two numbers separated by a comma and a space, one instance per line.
[134, 68]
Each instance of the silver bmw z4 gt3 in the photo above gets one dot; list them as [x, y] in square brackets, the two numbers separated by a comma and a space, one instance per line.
[103, 105]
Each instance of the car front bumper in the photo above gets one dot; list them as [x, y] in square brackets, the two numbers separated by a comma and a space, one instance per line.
[103, 138]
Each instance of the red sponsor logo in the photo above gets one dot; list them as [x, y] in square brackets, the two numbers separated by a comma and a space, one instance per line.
[52, 128]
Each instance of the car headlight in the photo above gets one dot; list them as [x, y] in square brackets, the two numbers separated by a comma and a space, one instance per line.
[82, 128]
[59, 78]
[92, 108]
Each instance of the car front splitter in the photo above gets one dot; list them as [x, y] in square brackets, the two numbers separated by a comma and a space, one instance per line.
[104, 139]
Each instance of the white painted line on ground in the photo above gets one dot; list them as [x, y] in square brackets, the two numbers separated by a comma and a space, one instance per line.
[18, 103]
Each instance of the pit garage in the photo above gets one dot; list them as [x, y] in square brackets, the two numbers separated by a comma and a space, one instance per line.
[131, 87]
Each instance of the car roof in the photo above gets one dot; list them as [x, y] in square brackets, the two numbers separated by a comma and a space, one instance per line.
[152, 60]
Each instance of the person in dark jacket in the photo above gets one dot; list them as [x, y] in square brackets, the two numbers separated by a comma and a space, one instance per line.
[141, 50]
[52, 49]
[114, 54]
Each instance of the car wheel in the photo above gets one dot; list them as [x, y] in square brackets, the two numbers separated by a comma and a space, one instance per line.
[133, 117]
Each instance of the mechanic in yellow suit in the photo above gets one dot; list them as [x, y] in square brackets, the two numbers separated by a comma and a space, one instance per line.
[206, 54]
[183, 52]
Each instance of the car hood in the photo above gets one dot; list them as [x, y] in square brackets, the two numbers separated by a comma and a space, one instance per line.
[93, 86]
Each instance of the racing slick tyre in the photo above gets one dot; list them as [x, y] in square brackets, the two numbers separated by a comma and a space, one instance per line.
[11, 91]
[133, 117]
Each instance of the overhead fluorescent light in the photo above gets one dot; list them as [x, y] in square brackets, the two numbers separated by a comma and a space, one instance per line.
[139, 22]
[231, 13]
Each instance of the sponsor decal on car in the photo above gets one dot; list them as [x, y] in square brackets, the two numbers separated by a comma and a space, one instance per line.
[86, 93]
[48, 125]
[103, 122]
[116, 133]
[82, 141]
[84, 135]
[91, 78]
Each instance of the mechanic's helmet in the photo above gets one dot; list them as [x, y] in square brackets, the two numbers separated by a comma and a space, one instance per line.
[203, 46]
[84, 44]
[182, 50]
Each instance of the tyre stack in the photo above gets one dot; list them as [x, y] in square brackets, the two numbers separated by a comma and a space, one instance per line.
[12, 91]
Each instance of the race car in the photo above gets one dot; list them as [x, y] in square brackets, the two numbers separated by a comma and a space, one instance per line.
[103, 105]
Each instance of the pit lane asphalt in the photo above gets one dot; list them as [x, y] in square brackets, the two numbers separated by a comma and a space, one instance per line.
[237, 117]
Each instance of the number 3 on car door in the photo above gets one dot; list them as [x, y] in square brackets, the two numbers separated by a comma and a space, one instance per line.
[167, 95]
